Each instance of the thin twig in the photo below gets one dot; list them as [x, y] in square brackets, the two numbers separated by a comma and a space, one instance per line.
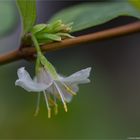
[109, 33]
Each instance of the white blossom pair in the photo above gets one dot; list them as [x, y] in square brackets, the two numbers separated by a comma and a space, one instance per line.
[61, 88]
[53, 86]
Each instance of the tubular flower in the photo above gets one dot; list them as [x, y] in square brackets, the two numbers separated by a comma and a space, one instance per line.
[53, 86]
[63, 88]
[47, 81]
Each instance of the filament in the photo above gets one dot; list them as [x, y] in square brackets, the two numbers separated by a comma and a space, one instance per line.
[62, 97]
[68, 89]
[47, 104]
[37, 105]
[55, 105]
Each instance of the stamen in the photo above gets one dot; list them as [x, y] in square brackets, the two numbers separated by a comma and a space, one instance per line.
[61, 95]
[56, 109]
[37, 105]
[68, 89]
[49, 113]
[51, 102]
[56, 106]
[65, 107]
[47, 103]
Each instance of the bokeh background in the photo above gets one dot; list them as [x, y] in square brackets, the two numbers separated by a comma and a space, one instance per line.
[107, 108]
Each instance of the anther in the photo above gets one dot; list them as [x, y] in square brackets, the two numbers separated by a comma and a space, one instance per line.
[65, 107]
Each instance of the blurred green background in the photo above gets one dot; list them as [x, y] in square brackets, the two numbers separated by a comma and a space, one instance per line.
[107, 108]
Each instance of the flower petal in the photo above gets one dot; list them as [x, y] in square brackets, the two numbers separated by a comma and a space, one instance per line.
[23, 74]
[27, 83]
[44, 77]
[79, 77]
[31, 86]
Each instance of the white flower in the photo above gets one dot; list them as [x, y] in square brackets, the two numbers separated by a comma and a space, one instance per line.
[53, 86]
[28, 84]
[68, 86]
[62, 88]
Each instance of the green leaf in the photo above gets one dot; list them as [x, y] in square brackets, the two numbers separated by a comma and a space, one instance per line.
[91, 14]
[135, 3]
[8, 17]
[27, 10]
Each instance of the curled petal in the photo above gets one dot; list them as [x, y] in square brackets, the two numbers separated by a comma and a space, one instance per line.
[79, 77]
[23, 74]
[27, 83]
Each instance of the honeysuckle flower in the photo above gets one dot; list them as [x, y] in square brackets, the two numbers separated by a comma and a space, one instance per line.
[62, 88]
[47, 81]
[65, 87]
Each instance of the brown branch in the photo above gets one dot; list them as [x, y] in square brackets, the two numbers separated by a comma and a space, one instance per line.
[110, 33]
